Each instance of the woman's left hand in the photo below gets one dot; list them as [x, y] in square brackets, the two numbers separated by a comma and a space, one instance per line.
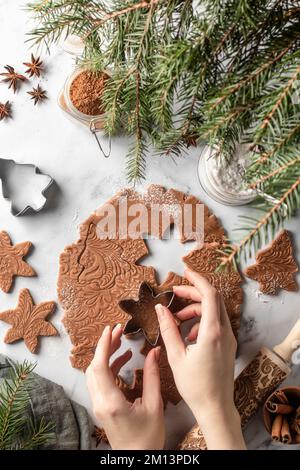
[138, 425]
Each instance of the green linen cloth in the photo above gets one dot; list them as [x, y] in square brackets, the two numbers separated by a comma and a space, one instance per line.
[72, 426]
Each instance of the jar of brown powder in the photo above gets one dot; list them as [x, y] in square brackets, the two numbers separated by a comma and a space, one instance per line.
[80, 99]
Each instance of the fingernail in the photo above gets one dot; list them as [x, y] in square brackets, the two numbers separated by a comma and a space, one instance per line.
[157, 353]
[106, 329]
[119, 325]
[175, 287]
[160, 311]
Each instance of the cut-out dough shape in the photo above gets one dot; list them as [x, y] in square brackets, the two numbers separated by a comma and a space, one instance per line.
[275, 266]
[11, 261]
[28, 321]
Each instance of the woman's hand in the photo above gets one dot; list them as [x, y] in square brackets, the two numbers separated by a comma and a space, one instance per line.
[128, 426]
[204, 371]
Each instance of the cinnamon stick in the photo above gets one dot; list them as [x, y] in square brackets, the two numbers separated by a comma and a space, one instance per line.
[281, 397]
[296, 422]
[286, 437]
[279, 408]
[276, 428]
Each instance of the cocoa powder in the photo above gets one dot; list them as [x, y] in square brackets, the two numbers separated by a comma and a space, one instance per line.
[86, 91]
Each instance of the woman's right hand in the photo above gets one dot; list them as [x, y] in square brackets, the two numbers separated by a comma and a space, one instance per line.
[204, 371]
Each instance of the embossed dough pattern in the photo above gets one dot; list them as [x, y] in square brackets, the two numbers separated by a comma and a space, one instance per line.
[11, 261]
[28, 321]
[275, 266]
[95, 274]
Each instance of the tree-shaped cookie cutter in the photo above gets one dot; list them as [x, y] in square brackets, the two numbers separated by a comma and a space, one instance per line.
[6, 166]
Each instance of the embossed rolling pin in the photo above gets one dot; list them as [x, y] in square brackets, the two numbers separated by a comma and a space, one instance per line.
[255, 383]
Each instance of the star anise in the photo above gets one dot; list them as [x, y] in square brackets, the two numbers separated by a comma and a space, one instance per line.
[35, 67]
[12, 77]
[5, 110]
[37, 94]
[100, 436]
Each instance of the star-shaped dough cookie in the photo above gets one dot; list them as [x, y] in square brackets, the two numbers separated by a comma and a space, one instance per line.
[275, 266]
[28, 321]
[11, 261]
[142, 311]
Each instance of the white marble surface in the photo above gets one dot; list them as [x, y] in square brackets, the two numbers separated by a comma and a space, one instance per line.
[43, 136]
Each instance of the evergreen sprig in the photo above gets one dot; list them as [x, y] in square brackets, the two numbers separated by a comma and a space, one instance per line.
[16, 432]
[183, 71]
[273, 212]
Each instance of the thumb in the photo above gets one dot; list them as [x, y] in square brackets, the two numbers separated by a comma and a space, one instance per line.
[170, 334]
[151, 380]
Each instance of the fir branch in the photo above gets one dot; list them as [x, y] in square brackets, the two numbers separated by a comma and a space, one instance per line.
[283, 141]
[61, 18]
[14, 400]
[111, 16]
[38, 435]
[255, 36]
[186, 15]
[136, 158]
[271, 219]
[124, 11]
[196, 94]
[171, 143]
[112, 100]
[225, 71]
[170, 66]
[230, 90]
[273, 173]
[283, 100]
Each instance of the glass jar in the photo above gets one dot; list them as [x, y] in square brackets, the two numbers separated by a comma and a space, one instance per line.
[225, 182]
[73, 44]
[94, 123]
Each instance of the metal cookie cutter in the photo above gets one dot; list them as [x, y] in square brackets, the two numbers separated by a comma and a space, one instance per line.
[15, 182]
[135, 308]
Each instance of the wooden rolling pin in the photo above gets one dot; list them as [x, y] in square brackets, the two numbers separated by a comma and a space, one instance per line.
[255, 383]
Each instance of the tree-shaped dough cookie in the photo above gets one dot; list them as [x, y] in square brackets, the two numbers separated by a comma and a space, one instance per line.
[275, 266]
